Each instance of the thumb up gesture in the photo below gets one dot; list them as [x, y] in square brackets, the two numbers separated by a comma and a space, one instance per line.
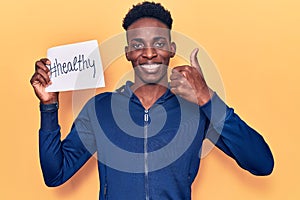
[188, 82]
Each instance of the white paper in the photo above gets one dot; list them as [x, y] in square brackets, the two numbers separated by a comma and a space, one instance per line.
[75, 66]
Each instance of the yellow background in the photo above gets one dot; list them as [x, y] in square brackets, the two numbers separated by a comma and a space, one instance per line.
[255, 45]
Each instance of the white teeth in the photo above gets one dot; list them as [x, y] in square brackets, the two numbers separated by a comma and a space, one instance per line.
[151, 66]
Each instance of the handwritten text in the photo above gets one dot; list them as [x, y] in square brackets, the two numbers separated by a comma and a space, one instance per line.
[79, 63]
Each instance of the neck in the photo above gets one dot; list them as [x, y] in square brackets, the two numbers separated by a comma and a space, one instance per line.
[148, 93]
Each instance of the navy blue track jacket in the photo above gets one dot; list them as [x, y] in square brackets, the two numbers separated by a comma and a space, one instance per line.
[147, 154]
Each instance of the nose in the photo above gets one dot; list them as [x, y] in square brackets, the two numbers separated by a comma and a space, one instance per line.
[149, 52]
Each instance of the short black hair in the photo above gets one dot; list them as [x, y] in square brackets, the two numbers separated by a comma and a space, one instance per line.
[148, 9]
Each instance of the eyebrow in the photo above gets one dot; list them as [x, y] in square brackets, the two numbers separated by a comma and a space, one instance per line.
[142, 40]
[137, 40]
[160, 38]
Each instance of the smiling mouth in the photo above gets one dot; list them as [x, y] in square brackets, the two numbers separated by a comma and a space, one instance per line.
[150, 66]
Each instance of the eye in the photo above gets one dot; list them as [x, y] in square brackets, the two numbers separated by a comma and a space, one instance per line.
[159, 44]
[137, 45]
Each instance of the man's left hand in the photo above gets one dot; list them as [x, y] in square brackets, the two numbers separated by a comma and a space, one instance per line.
[188, 82]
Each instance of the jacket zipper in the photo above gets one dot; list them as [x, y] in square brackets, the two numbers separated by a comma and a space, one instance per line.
[105, 191]
[146, 119]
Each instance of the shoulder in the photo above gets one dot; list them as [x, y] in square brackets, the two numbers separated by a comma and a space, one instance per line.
[99, 98]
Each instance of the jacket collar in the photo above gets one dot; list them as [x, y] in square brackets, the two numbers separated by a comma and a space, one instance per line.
[126, 91]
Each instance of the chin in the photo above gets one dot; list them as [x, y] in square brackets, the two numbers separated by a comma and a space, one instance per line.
[153, 81]
[151, 78]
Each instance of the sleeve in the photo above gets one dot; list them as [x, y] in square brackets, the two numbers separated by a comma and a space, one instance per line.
[61, 159]
[235, 138]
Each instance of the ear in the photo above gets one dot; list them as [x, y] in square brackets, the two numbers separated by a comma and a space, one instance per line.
[127, 53]
[172, 49]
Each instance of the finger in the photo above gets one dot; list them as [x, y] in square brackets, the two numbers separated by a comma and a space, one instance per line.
[184, 73]
[45, 75]
[175, 75]
[184, 70]
[46, 61]
[193, 58]
[175, 83]
[38, 79]
[177, 91]
[180, 68]
[42, 64]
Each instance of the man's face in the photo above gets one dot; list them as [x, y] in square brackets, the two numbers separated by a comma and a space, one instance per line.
[149, 50]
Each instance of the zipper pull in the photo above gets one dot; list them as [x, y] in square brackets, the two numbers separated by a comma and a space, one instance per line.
[105, 190]
[146, 116]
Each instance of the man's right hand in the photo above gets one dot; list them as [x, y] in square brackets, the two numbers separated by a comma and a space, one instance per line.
[40, 80]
